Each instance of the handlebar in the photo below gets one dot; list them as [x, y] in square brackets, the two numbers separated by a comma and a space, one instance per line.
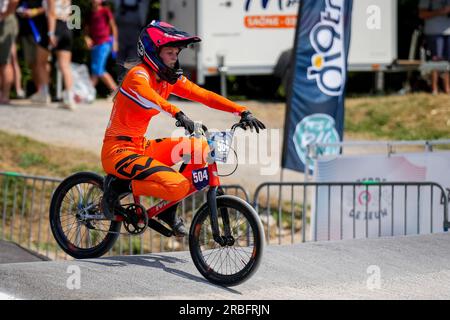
[202, 130]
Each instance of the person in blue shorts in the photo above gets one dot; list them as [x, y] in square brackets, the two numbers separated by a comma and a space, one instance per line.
[101, 37]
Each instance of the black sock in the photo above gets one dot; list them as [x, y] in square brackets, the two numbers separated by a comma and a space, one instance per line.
[169, 215]
[122, 186]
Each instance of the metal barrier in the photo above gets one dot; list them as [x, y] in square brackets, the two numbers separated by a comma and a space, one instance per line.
[289, 215]
[286, 215]
[318, 151]
[25, 202]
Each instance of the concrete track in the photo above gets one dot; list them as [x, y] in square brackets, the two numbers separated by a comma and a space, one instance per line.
[412, 267]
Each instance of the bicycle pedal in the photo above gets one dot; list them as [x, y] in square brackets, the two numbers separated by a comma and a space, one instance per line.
[158, 227]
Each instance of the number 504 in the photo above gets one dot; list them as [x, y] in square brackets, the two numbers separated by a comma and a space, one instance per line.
[200, 176]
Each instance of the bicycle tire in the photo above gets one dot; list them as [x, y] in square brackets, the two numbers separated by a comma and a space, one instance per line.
[55, 222]
[253, 220]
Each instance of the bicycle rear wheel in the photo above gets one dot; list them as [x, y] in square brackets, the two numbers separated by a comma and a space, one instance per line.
[75, 199]
[236, 262]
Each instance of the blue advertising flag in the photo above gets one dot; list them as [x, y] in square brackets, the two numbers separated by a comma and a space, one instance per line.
[315, 112]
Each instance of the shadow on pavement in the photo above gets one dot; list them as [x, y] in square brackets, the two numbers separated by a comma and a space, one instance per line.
[159, 262]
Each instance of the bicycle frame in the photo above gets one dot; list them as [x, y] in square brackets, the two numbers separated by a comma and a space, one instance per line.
[214, 184]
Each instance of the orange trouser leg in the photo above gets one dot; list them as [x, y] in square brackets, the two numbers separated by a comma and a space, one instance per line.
[150, 168]
[170, 151]
[150, 177]
[166, 185]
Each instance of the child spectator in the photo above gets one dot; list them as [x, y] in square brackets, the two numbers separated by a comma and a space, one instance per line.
[101, 37]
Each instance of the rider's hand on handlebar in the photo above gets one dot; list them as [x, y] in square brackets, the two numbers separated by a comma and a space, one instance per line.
[248, 120]
[185, 122]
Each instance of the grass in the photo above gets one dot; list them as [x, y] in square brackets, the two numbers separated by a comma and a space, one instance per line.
[27, 156]
[410, 117]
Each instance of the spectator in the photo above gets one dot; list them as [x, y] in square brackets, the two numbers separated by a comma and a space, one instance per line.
[8, 33]
[32, 27]
[99, 27]
[436, 14]
[58, 38]
[131, 17]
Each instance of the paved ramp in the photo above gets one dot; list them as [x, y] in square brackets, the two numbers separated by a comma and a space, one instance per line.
[13, 253]
[413, 267]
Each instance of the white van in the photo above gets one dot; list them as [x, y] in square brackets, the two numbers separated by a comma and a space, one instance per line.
[255, 37]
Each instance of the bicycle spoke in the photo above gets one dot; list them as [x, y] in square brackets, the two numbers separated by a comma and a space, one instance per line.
[83, 198]
[77, 234]
[88, 238]
[74, 224]
[219, 259]
[209, 255]
[240, 259]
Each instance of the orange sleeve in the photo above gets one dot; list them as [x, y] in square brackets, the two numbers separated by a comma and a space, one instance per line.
[136, 87]
[189, 90]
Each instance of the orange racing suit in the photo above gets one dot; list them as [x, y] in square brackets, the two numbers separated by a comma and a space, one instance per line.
[127, 154]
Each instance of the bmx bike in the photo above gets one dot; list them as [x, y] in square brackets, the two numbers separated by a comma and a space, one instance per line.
[226, 237]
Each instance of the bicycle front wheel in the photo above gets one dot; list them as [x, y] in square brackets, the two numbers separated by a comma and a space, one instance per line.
[238, 260]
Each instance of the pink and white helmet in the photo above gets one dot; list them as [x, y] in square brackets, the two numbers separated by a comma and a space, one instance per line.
[160, 34]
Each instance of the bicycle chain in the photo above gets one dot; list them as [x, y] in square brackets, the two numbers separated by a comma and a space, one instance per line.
[128, 207]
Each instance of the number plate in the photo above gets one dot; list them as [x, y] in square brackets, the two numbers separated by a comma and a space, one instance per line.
[200, 178]
[221, 144]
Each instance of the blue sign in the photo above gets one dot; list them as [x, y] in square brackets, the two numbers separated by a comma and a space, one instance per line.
[315, 111]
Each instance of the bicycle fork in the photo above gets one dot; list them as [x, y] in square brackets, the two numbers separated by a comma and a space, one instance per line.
[227, 239]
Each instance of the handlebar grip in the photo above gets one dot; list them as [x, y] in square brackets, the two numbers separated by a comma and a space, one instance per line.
[178, 124]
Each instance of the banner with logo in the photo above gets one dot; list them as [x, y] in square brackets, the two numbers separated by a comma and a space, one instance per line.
[372, 210]
[315, 111]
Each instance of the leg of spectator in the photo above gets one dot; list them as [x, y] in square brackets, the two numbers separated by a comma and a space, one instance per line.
[446, 77]
[42, 69]
[17, 72]
[109, 81]
[95, 64]
[6, 74]
[35, 74]
[64, 60]
[94, 80]
[29, 48]
[435, 82]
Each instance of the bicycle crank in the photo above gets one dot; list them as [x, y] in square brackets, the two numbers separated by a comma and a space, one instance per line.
[135, 219]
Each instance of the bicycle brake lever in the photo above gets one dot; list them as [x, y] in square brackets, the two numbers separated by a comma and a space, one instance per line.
[238, 125]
